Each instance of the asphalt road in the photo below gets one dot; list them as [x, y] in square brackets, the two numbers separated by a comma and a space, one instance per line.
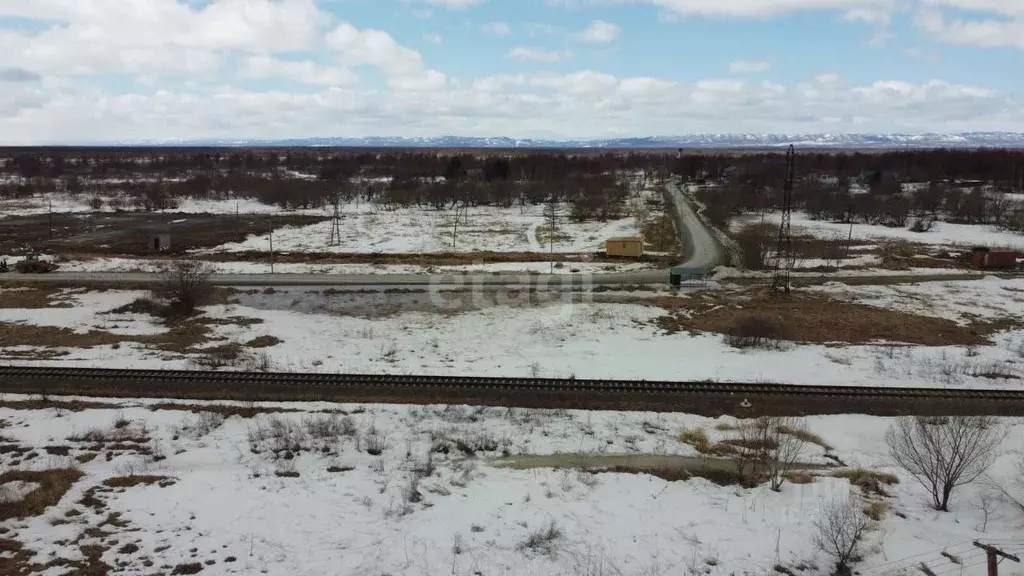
[700, 251]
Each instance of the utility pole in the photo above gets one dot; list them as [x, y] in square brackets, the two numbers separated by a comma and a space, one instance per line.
[993, 557]
[271, 243]
[551, 212]
[49, 218]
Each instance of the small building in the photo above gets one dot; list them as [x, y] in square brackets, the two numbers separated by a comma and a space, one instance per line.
[160, 242]
[983, 257]
[624, 246]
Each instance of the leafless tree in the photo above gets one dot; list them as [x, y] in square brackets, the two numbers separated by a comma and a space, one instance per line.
[186, 286]
[944, 453]
[841, 526]
[789, 447]
[774, 444]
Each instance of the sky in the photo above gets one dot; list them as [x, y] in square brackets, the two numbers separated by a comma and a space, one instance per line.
[122, 70]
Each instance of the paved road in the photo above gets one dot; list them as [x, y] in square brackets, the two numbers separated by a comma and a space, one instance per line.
[700, 251]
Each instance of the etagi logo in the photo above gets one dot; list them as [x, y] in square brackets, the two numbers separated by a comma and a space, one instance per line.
[561, 295]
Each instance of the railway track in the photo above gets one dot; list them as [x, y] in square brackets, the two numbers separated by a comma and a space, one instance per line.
[711, 398]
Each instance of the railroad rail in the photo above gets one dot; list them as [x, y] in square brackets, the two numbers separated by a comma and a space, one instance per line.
[709, 398]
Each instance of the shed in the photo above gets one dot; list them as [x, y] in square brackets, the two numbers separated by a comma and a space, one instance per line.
[160, 242]
[625, 246]
[983, 257]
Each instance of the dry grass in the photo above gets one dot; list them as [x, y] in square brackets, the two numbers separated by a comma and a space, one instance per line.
[32, 298]
[877, 511]
[869, 481]
[697, 438]
[815, 318]
[137, 480]
[53, 484]
[181, 338]
[806, 436]
[263, 342]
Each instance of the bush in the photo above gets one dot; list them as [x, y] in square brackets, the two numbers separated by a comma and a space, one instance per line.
[754, 332]
[186, 286]
[544, 540]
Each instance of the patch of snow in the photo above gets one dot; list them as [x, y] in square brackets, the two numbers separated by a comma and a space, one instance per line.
[471, 516]
[942, 234]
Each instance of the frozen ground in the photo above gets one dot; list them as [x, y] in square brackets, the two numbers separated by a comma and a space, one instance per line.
[235, 506]
[366, 228]
[942, 234]
[417, 333]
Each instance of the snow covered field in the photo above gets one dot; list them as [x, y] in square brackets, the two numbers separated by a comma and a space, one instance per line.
[366, 228]
[223, 497]
[412, 333]
[369, 228]
[942, 234]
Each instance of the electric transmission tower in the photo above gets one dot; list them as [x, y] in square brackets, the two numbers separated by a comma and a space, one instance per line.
[336, 222]
[784, 250]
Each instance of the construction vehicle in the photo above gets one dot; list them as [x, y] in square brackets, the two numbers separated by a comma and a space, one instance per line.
[32, 264]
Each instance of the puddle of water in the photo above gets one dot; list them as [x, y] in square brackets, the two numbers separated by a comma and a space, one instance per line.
[377, 303]
[679, 464]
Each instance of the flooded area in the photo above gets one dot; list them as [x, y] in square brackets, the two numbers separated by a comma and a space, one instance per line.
[383, 302]
[666, 466]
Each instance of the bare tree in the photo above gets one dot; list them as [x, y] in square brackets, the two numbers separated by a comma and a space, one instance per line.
[789, 436]
[774, 444]
[841, 526]
[186, 286]
[944, 453]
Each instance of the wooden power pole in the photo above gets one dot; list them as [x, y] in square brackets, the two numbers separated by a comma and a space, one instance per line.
[993, 557]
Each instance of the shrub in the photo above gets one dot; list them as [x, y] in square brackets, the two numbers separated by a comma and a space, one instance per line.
[877, 510]
[186, 286]
[754, 332]
[543, 540]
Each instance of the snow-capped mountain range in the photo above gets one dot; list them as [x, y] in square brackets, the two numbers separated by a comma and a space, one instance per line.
[879, 141]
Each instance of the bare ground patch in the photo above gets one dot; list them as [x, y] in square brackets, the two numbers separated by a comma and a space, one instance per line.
[53, 484]
[814, 318]
[32, 298]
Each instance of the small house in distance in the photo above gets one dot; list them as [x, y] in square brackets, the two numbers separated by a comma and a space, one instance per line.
[624, 247]
[984, 257]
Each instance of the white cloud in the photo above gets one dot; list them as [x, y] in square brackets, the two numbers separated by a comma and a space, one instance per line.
[1008, 7]
[579, 104]
[154, 36]
[987, 33]
[747, 8]
[303, 71]
[537, 55]
[455, 4]
[51, 91]
[749, 66]
[599, 32]
[433, 38]
[497, 28]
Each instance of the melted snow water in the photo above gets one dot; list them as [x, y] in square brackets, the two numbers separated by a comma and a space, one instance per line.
[389, 301]
[690, 464]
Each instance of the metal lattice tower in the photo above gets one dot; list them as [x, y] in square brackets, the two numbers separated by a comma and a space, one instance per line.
[336, 223]
[784, 249]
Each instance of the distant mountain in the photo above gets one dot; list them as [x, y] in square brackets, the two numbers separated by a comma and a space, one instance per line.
[737, 141]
